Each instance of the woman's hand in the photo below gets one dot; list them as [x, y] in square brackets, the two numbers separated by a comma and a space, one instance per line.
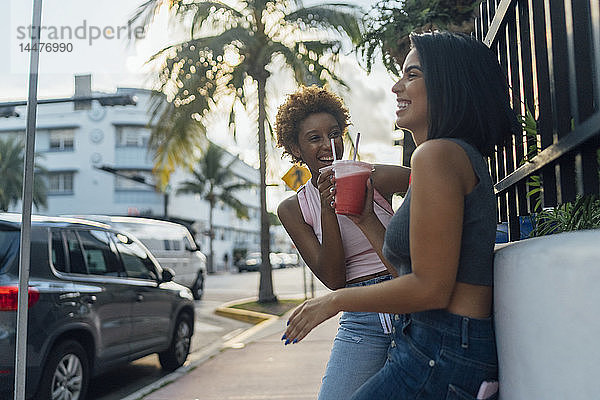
[326, 187]
[368, 213]
[307, 316]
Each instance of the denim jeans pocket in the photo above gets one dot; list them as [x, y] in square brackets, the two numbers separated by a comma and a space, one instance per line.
[470, 363]
[456, 393]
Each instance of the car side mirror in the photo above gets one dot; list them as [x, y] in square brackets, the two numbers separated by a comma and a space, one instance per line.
[167, 274]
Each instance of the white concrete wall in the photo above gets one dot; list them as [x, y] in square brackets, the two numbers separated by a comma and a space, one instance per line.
[547, 315]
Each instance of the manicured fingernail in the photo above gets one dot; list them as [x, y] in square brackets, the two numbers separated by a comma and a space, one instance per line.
[288, 322]
[295, 341]
[287, 342]
[283, 337]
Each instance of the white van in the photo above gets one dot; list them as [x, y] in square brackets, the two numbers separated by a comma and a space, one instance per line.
[171, 244]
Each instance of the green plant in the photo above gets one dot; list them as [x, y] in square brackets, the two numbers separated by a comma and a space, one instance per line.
[583, 213]
[389, 23]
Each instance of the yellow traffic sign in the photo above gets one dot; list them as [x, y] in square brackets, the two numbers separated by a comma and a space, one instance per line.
[296, 176]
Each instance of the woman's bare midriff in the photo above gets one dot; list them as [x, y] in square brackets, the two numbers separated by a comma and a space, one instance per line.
[474, 301]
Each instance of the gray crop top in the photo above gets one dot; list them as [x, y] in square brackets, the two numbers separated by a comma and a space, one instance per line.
[479, 228]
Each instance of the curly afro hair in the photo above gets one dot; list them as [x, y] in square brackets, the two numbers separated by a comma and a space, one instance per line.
[299, 105]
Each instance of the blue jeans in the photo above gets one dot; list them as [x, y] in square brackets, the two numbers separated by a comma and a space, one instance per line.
[435, 355]
[360, 349]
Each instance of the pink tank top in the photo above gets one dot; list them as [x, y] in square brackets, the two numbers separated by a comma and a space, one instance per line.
[361, 258]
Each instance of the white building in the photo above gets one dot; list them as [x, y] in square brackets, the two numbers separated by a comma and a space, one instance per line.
[74, 143]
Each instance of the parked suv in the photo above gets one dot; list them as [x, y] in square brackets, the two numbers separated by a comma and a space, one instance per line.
[172, 244]
[97, 298]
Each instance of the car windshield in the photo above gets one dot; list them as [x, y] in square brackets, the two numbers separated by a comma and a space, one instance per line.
[9, 248]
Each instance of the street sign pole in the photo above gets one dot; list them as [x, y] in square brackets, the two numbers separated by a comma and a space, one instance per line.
[23, 297]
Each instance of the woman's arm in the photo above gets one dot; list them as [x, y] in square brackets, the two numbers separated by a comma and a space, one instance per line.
[390, 179]
[439, 184]
[373, 229]
[327, 260]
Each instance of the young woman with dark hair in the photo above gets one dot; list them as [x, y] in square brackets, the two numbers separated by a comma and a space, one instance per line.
[453, 97]
[332, 246]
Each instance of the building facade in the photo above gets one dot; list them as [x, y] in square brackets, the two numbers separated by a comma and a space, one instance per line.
[81, 143]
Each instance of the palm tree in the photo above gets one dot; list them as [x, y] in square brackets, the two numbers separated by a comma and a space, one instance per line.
[233, 46]
[215, 182]
[11, 176]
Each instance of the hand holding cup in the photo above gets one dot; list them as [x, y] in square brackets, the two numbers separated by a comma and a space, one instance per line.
[326, 187]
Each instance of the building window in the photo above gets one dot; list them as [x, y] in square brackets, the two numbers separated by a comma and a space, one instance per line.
[61, 139]
[132, 136]
[60, 182]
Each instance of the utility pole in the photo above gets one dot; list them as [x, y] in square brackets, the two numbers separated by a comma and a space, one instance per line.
[23, 291]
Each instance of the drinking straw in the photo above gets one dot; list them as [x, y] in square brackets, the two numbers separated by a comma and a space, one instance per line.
[356, 146]
[333, 149]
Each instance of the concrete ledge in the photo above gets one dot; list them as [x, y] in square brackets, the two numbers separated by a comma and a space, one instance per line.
[547, 317]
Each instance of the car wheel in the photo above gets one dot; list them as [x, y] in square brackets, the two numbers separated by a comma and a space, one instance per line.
[65, 374]
[198, 288]
[178, 350]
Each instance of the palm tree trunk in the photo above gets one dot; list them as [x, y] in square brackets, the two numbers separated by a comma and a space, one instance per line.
[211, 236]
[265, 289]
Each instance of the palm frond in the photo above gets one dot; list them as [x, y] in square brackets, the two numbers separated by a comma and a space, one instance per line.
[341, 17]
[175, 134]
[214, 13]
[241, 210]
[144, 15]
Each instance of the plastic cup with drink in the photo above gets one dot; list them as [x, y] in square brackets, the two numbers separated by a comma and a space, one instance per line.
[350, 186]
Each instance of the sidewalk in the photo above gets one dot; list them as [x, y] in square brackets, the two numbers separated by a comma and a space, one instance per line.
[258, 367]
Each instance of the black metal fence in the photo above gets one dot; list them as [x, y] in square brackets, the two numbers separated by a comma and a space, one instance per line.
[550, 51]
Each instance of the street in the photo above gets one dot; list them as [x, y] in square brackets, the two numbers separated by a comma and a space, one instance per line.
[210, 330]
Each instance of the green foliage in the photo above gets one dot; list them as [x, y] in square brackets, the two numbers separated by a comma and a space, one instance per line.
[274, 219]
[216, 182]
[583, 213]
[11, 176]
[390, 22]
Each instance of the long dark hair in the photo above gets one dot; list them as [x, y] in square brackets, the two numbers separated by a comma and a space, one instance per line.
[467, 93]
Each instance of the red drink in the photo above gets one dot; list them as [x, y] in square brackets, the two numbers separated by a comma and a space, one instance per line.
[350, 184]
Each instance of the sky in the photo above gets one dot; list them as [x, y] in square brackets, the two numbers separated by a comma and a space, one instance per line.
[116, 61]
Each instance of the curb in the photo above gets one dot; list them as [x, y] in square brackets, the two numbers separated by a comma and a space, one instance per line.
[261, 321]
[253, 317]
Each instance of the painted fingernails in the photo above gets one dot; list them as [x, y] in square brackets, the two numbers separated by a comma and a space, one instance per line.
[294, 341]
[283, 337]
[287, 342]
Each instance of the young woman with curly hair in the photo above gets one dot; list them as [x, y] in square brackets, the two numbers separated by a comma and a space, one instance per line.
[332, 246]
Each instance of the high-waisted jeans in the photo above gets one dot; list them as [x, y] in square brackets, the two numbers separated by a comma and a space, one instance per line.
[360, 349]
[435, 355]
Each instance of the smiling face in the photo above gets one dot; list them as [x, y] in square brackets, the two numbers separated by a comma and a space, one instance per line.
[314, 141]
[411, 96]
